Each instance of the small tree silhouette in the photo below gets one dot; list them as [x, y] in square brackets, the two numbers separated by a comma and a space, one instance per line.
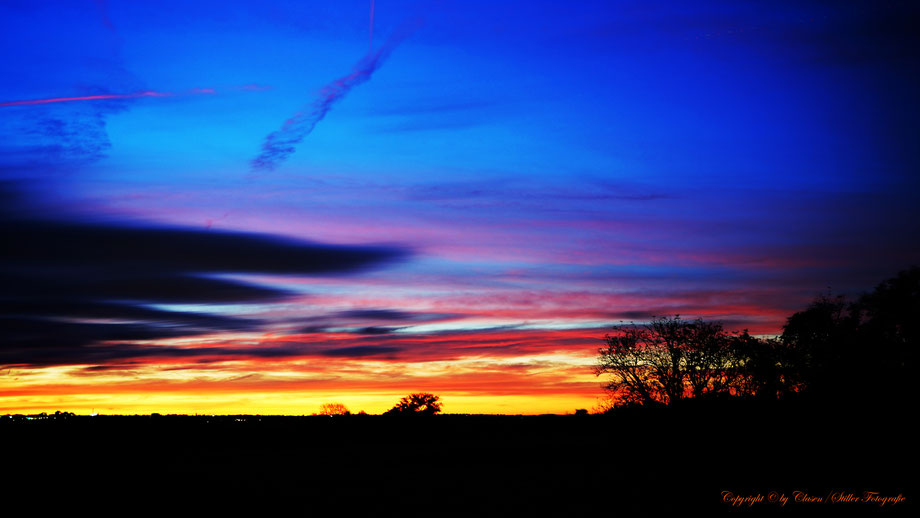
[333, 409]
[420, 403]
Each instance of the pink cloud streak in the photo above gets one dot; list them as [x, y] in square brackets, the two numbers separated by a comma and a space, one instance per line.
[103, 97]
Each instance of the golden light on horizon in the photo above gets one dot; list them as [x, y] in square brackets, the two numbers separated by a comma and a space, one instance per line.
[531, 384]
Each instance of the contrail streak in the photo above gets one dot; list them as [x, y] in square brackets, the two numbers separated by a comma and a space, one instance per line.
[370, 39]
[100, 97]
[281, 144]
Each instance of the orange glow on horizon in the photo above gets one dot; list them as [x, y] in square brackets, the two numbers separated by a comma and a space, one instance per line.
[293, 403]
[525, 383]
[475, 371]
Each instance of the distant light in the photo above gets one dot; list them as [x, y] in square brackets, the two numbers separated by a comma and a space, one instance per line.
[94, 414]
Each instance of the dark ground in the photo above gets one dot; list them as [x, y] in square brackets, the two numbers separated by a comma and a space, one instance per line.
[641, 461]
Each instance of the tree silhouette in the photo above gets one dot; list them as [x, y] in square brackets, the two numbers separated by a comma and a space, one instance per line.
[670, 359]
[333, 409]
[890, 318]
[419, 403]
[761, 368]
[833, 351]
[820, 338]
[665, 361]
[858, 351]
[707, 358]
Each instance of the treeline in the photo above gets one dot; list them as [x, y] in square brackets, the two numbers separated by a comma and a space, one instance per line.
[835, 351]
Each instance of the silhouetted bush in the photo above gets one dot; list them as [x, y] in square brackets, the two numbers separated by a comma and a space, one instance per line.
[420, 403]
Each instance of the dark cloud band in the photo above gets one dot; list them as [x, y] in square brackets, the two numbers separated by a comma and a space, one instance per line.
[68, 287]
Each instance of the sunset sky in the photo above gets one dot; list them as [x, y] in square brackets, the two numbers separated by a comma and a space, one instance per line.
[259, 207]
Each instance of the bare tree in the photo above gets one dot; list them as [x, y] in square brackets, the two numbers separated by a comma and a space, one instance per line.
[665, 361]
[333, 409]
[708, 357]
[629, 362]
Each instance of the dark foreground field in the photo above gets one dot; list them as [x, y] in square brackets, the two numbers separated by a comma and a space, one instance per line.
[625, 464]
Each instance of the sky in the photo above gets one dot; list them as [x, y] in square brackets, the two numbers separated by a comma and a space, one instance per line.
[243, 207]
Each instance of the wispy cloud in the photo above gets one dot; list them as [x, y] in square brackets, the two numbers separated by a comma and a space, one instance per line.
[279, 145]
